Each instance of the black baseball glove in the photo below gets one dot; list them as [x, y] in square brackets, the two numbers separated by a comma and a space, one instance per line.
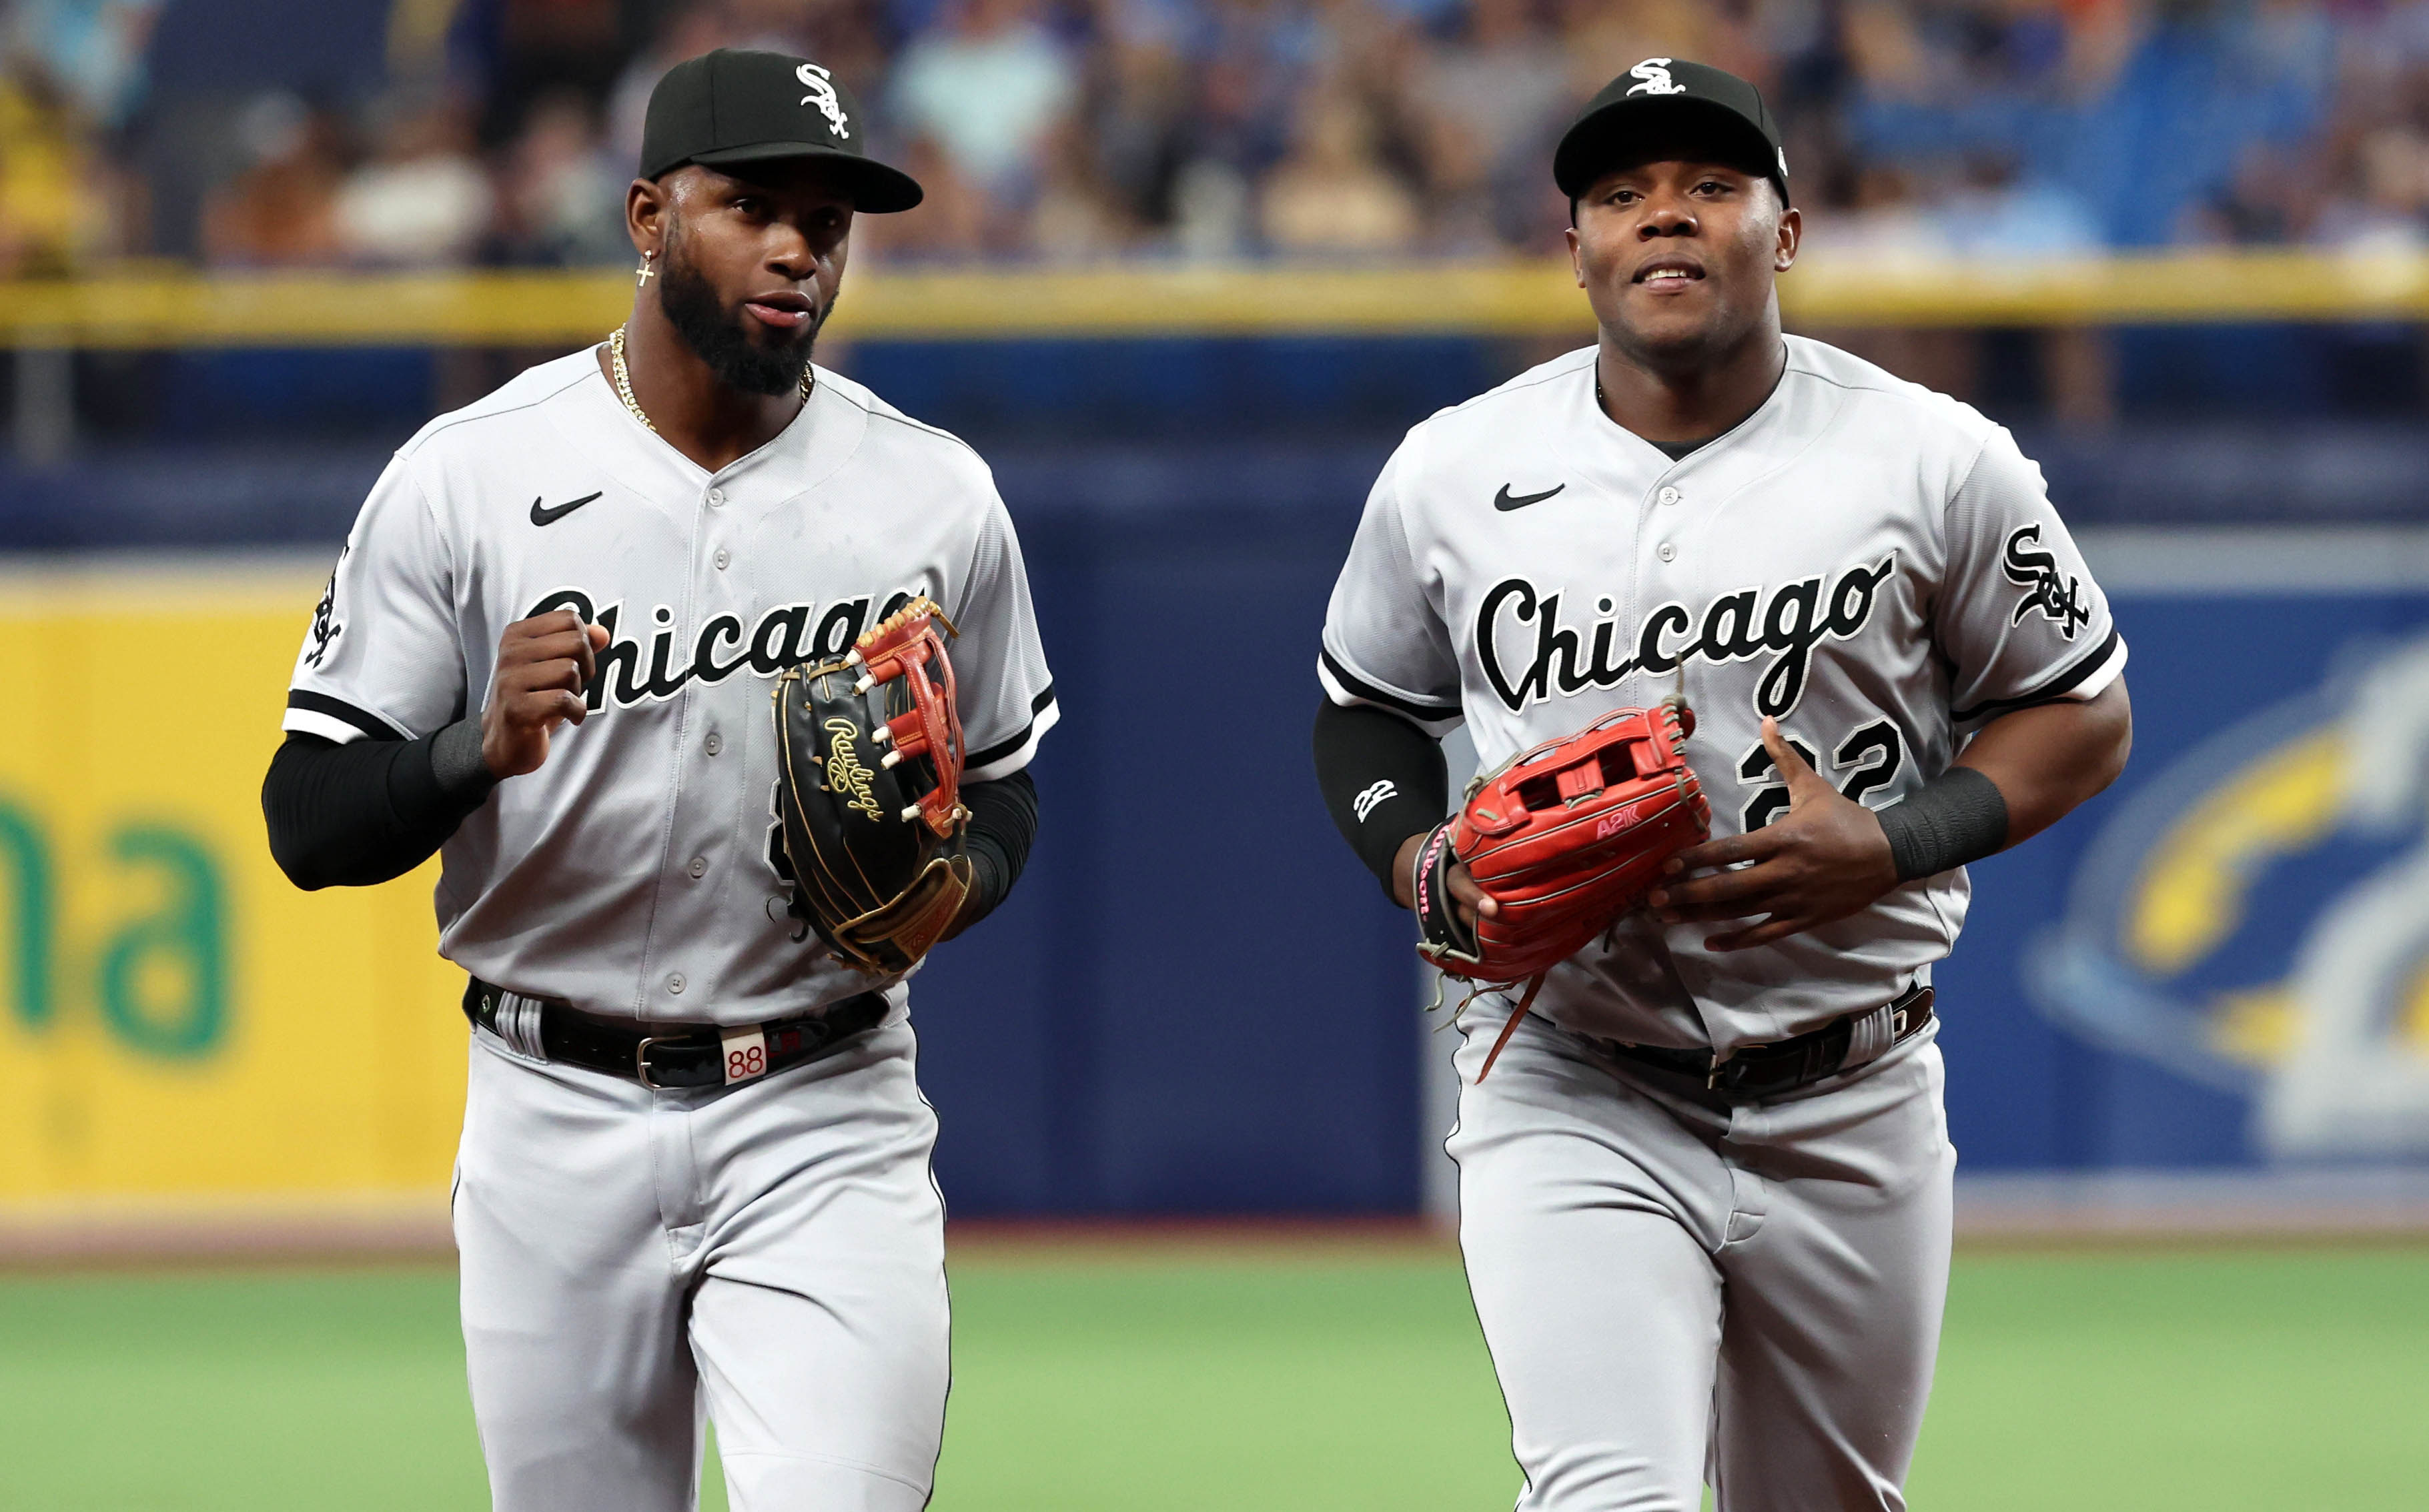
[868, 777]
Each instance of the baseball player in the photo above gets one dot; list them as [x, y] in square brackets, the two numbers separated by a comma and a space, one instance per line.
[695, 1161]
[1705, 1195]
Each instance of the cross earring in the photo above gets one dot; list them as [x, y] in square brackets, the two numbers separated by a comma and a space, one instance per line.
[645, 270]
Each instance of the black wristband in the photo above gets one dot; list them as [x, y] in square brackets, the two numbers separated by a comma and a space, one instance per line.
[1956, 817]
[457, 762]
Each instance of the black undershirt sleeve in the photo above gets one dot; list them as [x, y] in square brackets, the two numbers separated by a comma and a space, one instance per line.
[367, 811]
[1003, 821]
[1384, 779]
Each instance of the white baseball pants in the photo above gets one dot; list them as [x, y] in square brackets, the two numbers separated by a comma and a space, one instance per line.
[1674, 1288]
[773, 1252]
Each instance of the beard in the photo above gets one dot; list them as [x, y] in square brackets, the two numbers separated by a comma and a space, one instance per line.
[719, 337]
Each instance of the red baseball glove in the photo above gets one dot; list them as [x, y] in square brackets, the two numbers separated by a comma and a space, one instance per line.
[1566, 838]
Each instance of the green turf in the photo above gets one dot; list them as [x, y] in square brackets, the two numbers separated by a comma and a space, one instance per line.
[1179, 1384]
[1335, 1385]
[2217, 1382]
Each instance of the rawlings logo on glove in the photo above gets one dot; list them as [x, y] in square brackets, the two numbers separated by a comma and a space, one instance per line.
[879, 868]
[1565, 838]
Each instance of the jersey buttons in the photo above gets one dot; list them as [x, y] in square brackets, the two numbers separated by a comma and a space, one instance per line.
[724, 558]
[1666, 551]
[1667, 496]
[675, 984]
[714, 743]
[699, 867]
[716, 497]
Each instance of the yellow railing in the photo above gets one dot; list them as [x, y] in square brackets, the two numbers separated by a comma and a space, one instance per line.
[184, 309]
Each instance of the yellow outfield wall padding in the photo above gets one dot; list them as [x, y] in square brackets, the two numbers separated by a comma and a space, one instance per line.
[179, 1019]
[175, 308]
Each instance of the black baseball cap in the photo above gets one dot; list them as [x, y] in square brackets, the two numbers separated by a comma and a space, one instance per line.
[733, 107]
[1662, 99]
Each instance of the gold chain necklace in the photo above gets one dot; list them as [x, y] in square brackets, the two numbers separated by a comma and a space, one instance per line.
[624, 380]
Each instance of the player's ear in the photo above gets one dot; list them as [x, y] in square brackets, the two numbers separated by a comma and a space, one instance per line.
[646, 206]
[1576, 253]
[1792, 235]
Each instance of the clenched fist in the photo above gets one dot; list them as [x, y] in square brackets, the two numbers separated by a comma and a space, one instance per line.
[544, 663]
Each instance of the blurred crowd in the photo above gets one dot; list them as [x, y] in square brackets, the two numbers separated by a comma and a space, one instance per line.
[501, 132]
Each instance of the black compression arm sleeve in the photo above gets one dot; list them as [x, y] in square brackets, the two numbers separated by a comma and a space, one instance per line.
[1956, 817]
[1003, 821]
[371, 809]
[1384, 779]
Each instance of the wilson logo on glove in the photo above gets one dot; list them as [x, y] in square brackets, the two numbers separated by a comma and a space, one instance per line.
[1566, 838]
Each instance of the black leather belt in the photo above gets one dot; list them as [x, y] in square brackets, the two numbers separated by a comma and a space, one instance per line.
[1760, 1071]
[668, 1055]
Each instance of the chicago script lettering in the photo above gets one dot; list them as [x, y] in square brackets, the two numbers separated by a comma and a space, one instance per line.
[1786, 623]
[723, 646]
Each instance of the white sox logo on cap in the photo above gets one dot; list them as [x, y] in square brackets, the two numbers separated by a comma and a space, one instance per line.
[822, 94]
[1654, 72]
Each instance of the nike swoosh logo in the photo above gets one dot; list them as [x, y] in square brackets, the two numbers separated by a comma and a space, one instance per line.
[1505, 500]
[549, 516]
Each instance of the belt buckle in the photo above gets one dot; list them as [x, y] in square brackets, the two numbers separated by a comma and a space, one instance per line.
[642, 1060]
[1897, 1025]
[1721, 1063]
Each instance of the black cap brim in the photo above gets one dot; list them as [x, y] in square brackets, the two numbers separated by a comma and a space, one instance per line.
[874, 187]
[1619, 133]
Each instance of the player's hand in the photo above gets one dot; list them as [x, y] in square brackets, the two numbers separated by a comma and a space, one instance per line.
[1821, 860]
[544, 664]
[1468, 899]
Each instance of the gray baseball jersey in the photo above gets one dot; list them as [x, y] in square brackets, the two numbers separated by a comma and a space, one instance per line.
[637, 870]
[1872, 564]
